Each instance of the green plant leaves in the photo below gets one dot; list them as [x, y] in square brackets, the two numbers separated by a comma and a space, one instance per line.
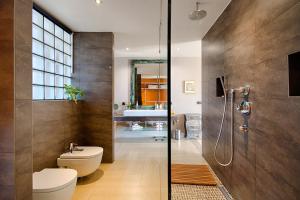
[74, 93]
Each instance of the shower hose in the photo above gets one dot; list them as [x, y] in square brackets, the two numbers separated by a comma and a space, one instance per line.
[221, 126]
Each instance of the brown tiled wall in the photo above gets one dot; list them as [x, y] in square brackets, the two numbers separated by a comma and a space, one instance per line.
[249, 44]
[15, 103]
[7, 100]
[93, 61]
[34, 133]
[23, 99]
[55, 125]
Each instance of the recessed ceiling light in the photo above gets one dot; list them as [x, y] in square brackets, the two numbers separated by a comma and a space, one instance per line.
[98, 1]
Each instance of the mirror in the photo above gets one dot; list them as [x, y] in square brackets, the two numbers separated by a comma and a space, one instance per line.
[149, 83]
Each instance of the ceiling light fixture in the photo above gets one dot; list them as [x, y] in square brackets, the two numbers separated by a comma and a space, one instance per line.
[98, 2]
[127, 49]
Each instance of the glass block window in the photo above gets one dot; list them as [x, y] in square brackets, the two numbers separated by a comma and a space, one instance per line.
[51, 58]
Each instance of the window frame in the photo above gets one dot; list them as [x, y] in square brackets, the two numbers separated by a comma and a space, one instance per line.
[67, 56]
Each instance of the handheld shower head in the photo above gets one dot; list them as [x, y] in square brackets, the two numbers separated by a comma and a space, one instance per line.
[197, 14]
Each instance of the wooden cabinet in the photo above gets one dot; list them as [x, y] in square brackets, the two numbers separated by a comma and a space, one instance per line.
[154, 91]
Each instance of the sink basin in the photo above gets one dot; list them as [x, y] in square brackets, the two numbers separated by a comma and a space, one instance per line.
[146, 113]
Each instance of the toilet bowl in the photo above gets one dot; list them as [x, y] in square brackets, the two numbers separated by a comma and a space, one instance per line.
[85, 160]
[54, 183]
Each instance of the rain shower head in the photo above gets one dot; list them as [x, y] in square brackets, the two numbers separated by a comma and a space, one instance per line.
[197, 14]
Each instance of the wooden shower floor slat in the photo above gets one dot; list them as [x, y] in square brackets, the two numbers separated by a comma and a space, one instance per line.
[192, 175]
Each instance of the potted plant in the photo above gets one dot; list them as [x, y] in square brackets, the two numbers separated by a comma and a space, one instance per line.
[74, 93]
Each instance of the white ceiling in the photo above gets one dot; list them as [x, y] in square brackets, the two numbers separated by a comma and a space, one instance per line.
[135, 23]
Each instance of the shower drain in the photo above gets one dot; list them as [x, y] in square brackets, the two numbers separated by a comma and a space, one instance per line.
[225, 192]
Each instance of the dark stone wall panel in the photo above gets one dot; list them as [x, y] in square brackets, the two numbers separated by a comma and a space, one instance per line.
[93, 53]
[23, 98]
[249, 44]
[55, 124]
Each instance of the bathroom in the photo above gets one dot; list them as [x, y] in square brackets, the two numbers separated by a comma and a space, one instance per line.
[249, 46]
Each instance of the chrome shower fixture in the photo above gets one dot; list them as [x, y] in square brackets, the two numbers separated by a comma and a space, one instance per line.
[243, 90]
[231, 92]
[244, 107]
[197, 14]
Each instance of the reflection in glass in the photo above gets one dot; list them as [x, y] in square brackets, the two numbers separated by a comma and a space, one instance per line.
[149, 83]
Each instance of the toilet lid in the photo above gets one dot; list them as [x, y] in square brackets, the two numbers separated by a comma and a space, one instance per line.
[87, 152]
[49, 180]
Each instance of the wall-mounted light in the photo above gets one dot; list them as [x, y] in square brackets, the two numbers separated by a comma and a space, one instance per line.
[98, 2]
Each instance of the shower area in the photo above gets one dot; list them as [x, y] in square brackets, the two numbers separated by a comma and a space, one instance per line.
[250, 114]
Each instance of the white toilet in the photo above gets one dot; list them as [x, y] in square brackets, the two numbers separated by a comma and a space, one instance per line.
[54, 184]
[85, 160]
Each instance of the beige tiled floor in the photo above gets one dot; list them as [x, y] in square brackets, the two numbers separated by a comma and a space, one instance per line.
[140, 170]
[138, 173]
[187, 151]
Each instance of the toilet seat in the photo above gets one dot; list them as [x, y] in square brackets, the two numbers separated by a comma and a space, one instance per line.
[53, 179]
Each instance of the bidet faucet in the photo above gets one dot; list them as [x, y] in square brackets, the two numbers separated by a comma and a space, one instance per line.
[72, 147]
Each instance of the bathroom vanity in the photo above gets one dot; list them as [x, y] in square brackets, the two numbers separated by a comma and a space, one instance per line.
[143, 115]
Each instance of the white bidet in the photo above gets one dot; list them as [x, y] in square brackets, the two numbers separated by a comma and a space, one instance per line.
[85, 160]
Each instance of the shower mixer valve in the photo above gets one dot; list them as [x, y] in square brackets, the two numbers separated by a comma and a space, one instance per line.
[245, 91]
[244, 128]
[245, 108]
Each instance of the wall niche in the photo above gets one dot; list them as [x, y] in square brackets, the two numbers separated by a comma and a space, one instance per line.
[294, 74]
